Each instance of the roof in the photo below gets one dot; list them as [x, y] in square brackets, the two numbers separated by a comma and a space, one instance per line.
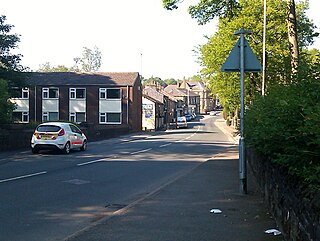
[157, 95]
[151, 99]
[179, 92]
[171, 97]
[83, 78]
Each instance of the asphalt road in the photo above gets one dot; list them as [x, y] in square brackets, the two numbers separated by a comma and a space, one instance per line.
[50, 196]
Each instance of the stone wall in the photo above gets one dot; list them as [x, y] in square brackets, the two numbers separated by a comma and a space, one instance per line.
[296, 211]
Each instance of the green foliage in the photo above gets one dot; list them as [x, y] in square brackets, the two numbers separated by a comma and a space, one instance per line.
[6, 107]
[278, 70]
[206, 10]
[8, 61]
[90, 60]
[170, 4]
[285, 126]
[11, 79]
[10, 67]
[155, 80]
[60, 68]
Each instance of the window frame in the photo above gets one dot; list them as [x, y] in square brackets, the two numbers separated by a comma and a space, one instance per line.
[74, 93]
[105, 116]
[46, 93]
[104, 91]
[46, 116]
[25, 91]
[73, 117]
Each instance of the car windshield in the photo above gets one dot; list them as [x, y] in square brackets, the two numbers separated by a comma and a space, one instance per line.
[48, 128]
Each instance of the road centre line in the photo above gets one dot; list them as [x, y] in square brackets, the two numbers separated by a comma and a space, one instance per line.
[136, 152]
[164, 145]
[91, 162]
[24, 176]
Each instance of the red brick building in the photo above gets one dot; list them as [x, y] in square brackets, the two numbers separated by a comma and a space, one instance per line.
[99, 99]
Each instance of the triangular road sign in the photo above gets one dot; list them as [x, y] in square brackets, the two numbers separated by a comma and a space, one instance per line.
[232, 63]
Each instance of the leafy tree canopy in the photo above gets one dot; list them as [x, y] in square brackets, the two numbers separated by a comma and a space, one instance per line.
[11, 79]
[10, 63]
[206, 10]
[278, 70]
[90, 60]
[48, 68]
[158, 80]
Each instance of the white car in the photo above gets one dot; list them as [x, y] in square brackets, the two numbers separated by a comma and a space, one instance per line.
[212, 113]
[182, 122]
[58, 135]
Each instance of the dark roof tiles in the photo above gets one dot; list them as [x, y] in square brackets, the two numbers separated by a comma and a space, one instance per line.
[83, 78]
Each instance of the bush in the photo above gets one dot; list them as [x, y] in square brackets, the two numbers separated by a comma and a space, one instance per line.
[284, 126]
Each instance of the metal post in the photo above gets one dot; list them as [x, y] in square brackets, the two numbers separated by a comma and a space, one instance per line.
[264, 47]
[242, 159]
[188, 100]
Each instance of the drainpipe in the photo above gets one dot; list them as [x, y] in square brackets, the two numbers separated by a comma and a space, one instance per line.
[35, 103]
[127, 105]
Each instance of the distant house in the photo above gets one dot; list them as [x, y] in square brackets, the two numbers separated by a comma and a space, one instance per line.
[191, 100]
[102, 100]
[165, 105]
[152, 113]
[194, 94]
[206, 103]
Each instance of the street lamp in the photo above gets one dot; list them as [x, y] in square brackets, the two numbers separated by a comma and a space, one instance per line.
[264, 46]
[190, 86]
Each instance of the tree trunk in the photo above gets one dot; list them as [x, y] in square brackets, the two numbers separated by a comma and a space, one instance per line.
[292, 33]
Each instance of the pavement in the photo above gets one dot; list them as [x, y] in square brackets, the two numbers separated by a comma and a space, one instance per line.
[204, 204]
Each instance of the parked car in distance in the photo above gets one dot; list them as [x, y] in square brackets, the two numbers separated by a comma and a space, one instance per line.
[188, 117]
[212, 113]
[61, 136]
[182, 122]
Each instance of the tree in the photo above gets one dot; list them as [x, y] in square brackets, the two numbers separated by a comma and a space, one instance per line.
[9, 63]
[48, 68]
[90, 60]
[153, 80]
[207, 10]
[292, 35]
[11, 79]
[216, 50]
[6, 107]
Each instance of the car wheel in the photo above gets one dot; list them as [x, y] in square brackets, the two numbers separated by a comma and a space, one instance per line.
[35, 150]
[84, 146]
[66, 149]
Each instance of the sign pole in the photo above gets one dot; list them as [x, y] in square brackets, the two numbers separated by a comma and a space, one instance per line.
[242, 158]
[242, 59]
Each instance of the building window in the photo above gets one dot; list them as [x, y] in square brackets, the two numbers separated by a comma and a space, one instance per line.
[110, 118]
[103, 93]
[77, 117]
[25, 93]
[77, 93]
[50, 116]
[103, 118]
[113, 118]
[50, 93]
[113, 93]
[20, 117]
[72, 117]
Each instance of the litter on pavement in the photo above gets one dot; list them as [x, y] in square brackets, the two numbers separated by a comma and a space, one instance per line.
[274, 231]
[215, 210]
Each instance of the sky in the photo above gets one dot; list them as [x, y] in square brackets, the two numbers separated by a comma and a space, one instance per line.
[132, 35]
